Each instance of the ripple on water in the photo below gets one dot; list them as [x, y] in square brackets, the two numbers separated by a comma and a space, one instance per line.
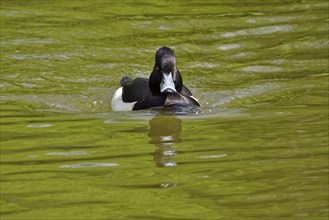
[204, 65]
[89, 165]
[229, 47]
[212, 156]
[261, 31]
[262, 69]
[39, 126]
[67, 153]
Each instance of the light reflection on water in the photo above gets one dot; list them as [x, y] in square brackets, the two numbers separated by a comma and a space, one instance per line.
[165, 133]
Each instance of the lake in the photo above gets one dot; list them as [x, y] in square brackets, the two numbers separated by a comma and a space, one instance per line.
[256, 149]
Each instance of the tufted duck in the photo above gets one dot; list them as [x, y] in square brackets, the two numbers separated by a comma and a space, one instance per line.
[163, 88]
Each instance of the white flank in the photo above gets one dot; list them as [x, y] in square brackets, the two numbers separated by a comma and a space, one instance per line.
[117, 103]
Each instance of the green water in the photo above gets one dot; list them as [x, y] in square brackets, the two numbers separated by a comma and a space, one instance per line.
[257, 149]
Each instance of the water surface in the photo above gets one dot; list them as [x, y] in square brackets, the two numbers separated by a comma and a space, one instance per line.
[258, 147]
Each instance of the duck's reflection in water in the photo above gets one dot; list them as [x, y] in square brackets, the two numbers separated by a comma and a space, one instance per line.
[165, 134]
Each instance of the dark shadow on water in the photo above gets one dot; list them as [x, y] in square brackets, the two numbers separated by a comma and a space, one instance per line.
[165, 133]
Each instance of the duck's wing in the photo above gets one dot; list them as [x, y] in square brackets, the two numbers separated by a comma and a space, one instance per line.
[150, 102]
[180, 99]
[135, 90]
[185, 91]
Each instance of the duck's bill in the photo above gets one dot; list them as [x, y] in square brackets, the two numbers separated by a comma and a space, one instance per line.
[167, 84]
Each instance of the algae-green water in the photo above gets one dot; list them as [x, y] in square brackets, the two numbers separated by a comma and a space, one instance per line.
[256, 149]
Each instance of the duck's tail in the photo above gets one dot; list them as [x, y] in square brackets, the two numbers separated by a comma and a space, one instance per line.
[125, 79]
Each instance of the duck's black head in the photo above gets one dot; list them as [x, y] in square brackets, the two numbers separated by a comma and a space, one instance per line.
[165, 77]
